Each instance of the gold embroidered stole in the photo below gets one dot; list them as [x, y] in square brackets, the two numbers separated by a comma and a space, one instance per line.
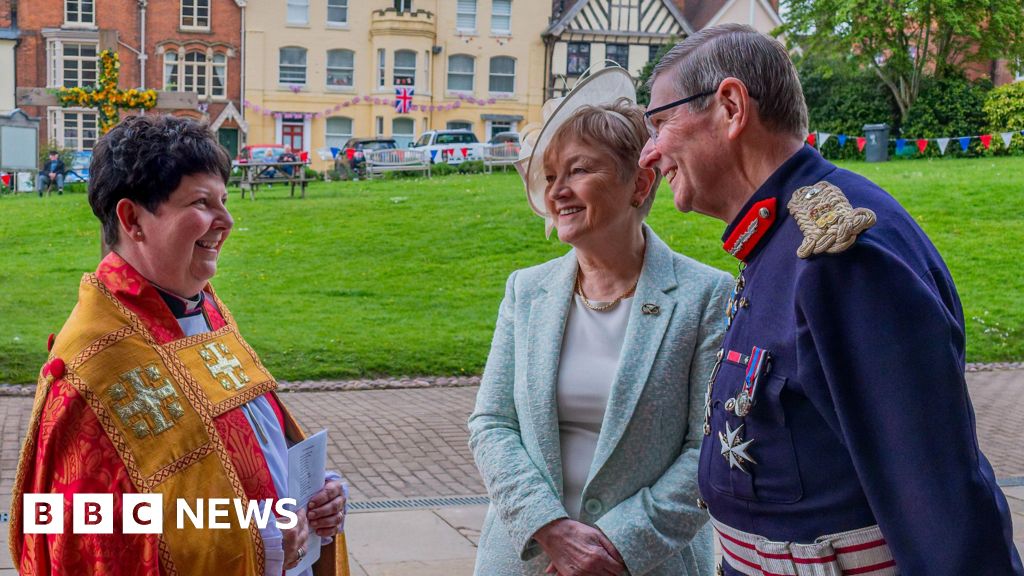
[157, 404]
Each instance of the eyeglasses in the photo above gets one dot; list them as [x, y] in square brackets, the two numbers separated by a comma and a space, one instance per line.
[651, 130]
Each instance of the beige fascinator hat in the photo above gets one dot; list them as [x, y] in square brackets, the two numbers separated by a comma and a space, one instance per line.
[605, 86]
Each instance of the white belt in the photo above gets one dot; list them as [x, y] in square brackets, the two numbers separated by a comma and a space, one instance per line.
[861, 552]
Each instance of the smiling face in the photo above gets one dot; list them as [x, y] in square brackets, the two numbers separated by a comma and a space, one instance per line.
[181, 241]
[686, 150]
[587, 195]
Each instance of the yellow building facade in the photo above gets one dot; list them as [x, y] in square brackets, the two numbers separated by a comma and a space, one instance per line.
[318, 72]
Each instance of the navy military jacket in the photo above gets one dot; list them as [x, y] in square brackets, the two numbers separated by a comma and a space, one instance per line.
[863, 416]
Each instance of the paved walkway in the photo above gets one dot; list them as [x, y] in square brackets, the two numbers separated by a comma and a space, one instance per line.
[405, 451]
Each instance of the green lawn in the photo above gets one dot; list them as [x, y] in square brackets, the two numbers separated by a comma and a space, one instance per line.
[404, 277]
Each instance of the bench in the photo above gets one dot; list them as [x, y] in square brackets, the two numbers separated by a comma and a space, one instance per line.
[500, 155]
[253, 174]
[379, 162]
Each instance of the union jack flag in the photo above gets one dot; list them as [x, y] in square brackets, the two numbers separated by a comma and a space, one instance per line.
[403, 100]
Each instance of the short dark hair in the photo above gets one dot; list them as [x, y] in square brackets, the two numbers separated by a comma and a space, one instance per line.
[144, 159]
[53, 153]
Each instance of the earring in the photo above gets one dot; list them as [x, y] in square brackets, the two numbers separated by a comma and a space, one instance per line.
[635, 203]
[138, 235]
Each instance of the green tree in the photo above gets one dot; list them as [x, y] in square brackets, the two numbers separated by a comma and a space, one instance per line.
[905, 40]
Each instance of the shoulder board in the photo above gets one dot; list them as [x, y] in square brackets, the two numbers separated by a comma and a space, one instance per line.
[826, 218]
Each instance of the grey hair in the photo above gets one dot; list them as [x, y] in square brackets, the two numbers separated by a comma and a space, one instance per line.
[616, 128]
[702, 61]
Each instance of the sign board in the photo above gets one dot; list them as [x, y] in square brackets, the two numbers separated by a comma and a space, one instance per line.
[18, 146]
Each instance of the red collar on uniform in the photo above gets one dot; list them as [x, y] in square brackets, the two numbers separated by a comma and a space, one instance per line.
[751, 228]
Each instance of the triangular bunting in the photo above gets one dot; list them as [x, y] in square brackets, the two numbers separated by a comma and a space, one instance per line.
[965, 141]
[900, 143]
[465, 152]
[942, 142]
[861, 141]
[823, 137]
[433, 154]
[811, 138]
[922, 144]
[1007, 137]
[986, 140]
[842, 140]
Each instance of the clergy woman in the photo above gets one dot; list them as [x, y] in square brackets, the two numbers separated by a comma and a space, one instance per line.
[589, 418]
[150, 387]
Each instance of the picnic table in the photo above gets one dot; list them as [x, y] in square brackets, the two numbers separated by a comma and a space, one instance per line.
[254, 174]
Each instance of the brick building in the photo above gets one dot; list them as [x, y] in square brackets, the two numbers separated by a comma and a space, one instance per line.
[172, 45]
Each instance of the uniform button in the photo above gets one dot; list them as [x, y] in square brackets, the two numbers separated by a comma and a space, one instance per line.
[702, 504]
[592, 506]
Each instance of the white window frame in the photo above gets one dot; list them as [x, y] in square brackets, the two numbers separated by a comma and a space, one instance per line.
[56, 117]
[197, 21]
[341, 137]
[379, 125]
[405, 69]
[297, 6]
[496, 16]
[462, 10]
[198, 80]
[219, 62]
[403, 135]
[471, 74]
[337, 5]
[172, 67]
[403, 5]
[492, 124]
[491, 74]
[304, 66]
[382, 76]
[351, 69]
[58, 63]
[83, 18]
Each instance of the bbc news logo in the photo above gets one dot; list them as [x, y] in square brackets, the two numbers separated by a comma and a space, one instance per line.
[144, 513]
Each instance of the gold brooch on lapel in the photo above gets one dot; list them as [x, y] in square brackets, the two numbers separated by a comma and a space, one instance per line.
[826, 218]
[652, 309]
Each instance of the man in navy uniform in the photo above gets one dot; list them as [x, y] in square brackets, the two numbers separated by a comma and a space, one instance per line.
[839, 435]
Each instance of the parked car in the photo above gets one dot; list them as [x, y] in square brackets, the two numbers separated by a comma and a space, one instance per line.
[353, 153]
[505, 138]
[79, 170]
[450, 146]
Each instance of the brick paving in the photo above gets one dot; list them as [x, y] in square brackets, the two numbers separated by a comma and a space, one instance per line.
[413, 443]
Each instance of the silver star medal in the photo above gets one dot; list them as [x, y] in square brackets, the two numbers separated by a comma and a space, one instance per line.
[734, 449]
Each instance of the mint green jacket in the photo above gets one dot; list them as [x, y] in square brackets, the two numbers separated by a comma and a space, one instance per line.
[642, 488]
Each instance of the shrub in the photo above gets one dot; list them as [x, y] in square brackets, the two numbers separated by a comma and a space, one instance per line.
[950, 106]
[643, 94]
[311, 174]
[442, 169]
[1004, 111]
[841, 99]
[471, 167]
[65, 154]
